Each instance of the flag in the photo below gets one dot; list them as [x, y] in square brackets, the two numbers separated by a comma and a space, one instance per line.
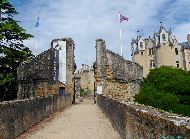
[37, 22]
[122, 18]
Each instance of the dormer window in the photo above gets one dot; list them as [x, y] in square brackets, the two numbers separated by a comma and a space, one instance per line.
[164, 37]
[176, 51]
[141, 44]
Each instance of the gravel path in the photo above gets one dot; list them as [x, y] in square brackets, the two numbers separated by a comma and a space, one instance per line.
[81, 121]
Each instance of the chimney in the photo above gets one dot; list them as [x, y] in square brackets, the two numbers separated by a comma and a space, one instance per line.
[188, 38]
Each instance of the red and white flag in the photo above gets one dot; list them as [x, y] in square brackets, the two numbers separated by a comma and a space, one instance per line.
[122, 18]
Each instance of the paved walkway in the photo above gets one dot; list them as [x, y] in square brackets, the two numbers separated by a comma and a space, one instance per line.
[81, 121]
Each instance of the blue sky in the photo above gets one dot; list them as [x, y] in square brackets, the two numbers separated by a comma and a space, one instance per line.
[87, 20]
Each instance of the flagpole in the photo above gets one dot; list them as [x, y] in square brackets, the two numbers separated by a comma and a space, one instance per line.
[36, 41]
[120, 35]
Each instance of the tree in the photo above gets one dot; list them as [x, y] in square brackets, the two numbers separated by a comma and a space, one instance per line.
[167, 88]
[12, 50]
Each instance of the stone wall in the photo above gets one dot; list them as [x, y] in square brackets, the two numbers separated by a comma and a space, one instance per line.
[134, 121]
[118, 77]
[33, 74]
[71, 67]
[19, 115]
[40, 76]
[77, 85]
[87, 79]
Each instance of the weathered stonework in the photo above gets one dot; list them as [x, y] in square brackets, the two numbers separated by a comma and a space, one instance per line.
[77, 85]
[87, 79]
[40, 76]
[18, 115]
[134, 121]
[118, 77]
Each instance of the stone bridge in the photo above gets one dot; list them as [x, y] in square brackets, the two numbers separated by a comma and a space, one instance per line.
[46, 91]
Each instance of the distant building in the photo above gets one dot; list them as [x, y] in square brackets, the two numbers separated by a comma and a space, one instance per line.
[86, 75]
[162, 49]
[186, 52]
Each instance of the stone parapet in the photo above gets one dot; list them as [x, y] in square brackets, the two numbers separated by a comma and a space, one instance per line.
[135, 121]
[18, 115]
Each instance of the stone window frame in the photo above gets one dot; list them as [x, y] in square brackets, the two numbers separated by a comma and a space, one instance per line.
[141, 44]
[152, 64]
[151, 51]
[176, 51]
[164, 37]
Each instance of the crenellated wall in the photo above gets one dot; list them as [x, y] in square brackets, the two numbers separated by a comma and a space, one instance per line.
[119, 78]
[135, 121]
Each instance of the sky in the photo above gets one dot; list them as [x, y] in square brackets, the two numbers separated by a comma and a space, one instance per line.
[87, 20]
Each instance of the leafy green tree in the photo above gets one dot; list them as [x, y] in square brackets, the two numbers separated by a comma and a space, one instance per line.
[167, 88]
[12, 50]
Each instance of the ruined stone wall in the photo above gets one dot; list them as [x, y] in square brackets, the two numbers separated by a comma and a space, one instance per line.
[118, 77]
[70, 46]
[18, 115]
[35, 72]
[39, 77]
[87, 79]
[135, 121]
[77, 85]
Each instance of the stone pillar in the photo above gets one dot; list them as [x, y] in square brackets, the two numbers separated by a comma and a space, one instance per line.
[70, 46]
[101, 62]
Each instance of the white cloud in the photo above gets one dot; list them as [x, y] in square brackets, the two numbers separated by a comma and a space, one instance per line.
[87, 20]
[181, 32]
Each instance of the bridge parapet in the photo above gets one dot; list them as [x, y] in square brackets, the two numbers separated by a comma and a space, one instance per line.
[18, 115]
[136, 121]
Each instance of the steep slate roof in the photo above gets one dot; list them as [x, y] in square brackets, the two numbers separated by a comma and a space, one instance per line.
[185, 45]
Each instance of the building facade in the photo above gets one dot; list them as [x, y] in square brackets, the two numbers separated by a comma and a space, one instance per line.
[162, 49]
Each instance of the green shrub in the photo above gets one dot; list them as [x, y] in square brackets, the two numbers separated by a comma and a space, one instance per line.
[85, 92]
[166, 88]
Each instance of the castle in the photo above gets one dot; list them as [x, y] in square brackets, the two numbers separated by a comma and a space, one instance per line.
[162, 49]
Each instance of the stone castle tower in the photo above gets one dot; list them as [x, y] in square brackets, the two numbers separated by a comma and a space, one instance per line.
[162, 49]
